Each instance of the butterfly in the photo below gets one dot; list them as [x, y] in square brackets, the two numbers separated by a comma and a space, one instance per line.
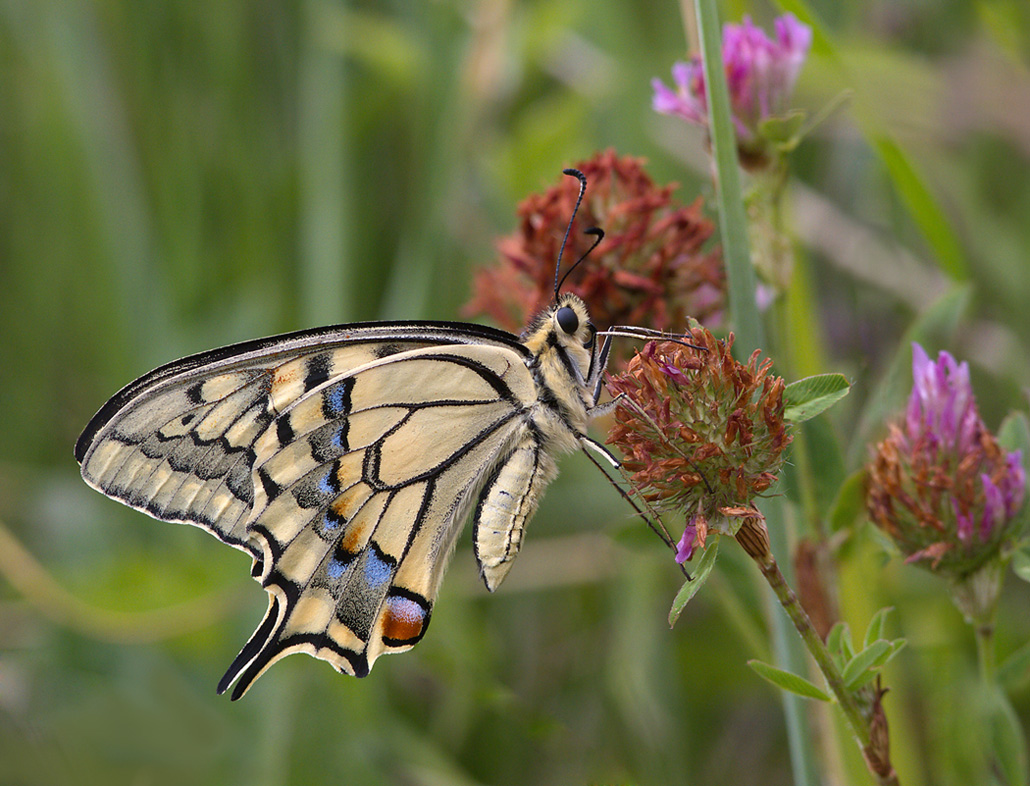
[346, 460]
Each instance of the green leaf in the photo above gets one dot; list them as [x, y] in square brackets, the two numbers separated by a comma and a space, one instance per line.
[1021, 565]
[1014, 434]
[1007, 746]
[1014, 670]
[876, 624]
[788, 681]
[873, 669]
[784, 130]
[867, 659]
[833, 642]
[846, 648]
[692, 585]
[921, 203]
[923, 207]
[810, 396]
[897, 645]
[849, 506]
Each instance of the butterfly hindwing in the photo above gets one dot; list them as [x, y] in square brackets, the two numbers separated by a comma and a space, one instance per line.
[356, 515]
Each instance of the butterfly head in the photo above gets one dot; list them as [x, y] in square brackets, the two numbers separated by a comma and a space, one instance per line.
[570, 321]
[564, 327]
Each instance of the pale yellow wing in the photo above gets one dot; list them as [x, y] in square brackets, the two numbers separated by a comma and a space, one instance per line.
[177, 443]
[357, 512]
[345, 467]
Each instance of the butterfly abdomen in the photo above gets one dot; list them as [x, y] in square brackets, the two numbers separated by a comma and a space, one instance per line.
[507, 501]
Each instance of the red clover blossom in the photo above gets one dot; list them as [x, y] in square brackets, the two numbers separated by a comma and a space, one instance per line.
[702, 435]
[939, 484]
[760, 72]
[654, 266]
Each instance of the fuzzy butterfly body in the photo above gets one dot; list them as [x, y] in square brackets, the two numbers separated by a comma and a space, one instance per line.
[346, 461]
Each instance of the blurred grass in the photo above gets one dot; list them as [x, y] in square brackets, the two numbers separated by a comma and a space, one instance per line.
[175, 177]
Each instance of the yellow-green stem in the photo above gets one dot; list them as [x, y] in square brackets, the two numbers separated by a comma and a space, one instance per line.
[985, 651]
[884, 773]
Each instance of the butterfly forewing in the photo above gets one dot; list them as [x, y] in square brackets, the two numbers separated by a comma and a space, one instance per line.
[177, 443]
[345, 461]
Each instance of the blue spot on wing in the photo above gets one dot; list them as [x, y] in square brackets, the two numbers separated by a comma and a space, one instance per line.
[330, 522]
[330, 481]
[334, 569]
[340, 438]
[378, 572]
[336, 400]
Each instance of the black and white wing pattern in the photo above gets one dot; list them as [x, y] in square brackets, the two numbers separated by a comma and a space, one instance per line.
[346, 461]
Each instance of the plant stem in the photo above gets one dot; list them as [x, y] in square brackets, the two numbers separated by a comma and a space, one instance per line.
[875, 758]
[985, 652]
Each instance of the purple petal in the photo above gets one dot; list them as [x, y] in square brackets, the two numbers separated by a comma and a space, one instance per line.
[684, 75]
[665, 100]
[674, 373]
[963, 522]
[684, 100]
[792, 35]
[994, 507]
[760, 73]
[915, 414]
[685, 547]
[1015, 485]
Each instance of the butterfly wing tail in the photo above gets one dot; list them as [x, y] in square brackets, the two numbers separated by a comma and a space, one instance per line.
[254, 646]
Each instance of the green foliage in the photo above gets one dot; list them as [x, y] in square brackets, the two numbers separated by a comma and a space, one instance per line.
[811, 396]
[179, 176]
[695, 582]
[788, 681]
[859, 667]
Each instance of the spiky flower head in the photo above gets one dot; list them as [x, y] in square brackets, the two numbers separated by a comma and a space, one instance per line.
[652, 268]
[939, 484]
[760, 73]
[702, 434]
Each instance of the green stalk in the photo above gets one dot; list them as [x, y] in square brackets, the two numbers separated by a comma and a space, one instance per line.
[736, 253]
[878, 764]
[326, 269]
[750, 335]
[985, 653]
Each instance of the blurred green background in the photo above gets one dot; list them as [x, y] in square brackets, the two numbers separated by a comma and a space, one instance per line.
[177, 176]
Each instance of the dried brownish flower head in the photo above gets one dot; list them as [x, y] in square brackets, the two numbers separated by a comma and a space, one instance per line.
[651, 269]
[701, 433]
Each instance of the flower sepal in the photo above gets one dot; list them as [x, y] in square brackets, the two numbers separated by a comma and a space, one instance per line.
[784, 132]
[976, 594]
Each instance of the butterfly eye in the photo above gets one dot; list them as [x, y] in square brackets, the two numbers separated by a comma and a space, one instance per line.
[567, 319]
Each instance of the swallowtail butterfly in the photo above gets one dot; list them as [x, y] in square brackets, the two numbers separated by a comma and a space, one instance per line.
[345, 461]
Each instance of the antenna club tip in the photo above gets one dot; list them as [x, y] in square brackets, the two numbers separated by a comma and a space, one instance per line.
[575, 173]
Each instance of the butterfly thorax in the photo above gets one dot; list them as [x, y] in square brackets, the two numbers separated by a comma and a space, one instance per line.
[561, 342]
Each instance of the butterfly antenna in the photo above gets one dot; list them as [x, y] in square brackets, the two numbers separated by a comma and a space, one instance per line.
[598, 233]
[579, 199]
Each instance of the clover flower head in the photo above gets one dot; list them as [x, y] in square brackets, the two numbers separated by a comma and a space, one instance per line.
[939, 484]
[701, 433]
[760, 72]
[652, 268]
